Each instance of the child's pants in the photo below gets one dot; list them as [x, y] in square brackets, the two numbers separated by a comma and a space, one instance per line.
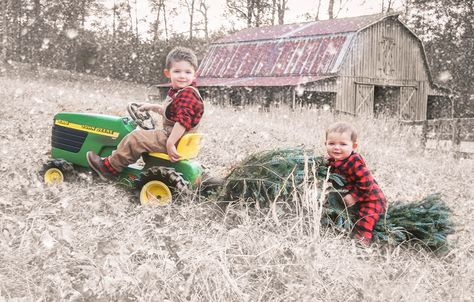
[137, 142]
[368, 213]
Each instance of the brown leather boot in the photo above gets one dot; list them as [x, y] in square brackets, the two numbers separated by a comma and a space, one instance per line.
[101, 166]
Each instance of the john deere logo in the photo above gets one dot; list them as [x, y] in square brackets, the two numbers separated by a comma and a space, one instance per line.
[87, 128]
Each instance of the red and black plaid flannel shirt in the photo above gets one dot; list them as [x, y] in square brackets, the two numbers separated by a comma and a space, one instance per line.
[186, 108]
[360, 182]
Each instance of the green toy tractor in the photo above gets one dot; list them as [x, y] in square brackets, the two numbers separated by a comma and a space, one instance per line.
[158, 181]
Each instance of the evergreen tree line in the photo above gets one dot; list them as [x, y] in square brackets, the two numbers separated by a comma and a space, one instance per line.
[71, 35]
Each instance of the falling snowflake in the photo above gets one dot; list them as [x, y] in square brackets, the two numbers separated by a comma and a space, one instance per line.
[299, 90]
[47, 240]
[19, 92]
[38, 100]
[331, 49]
[45, 43]
[71, 33]
[445, 76]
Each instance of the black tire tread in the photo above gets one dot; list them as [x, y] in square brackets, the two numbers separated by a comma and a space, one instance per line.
[169, 176]
[65, 167]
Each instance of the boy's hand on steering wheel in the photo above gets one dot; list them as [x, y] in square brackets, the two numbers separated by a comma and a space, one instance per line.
[148, 107]
[144, 106]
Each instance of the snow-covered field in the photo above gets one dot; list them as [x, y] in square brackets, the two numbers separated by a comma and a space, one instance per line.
[85, 240]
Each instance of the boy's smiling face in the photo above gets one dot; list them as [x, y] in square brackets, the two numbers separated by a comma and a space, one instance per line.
[181, 74]
[339, 145]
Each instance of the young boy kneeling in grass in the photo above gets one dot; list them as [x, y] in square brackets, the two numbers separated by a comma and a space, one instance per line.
[182, 110]
[364, 193]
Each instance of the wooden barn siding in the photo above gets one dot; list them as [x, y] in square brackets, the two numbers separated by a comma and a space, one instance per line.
[362, 65]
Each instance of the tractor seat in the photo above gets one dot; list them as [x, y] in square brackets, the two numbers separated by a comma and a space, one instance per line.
[188, 147]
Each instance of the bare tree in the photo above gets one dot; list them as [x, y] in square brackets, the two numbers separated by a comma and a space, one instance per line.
[331, 9]
[389, 6]
[3, 56]
[309, 16]
[129, 12]
[114, 18]
[243, 10]
[253, 12]
[278, 10]
[190, 7]
[318, 7]
[136, 18]
[341, 6]
[203, 10]
[282, 7]
[159, 8]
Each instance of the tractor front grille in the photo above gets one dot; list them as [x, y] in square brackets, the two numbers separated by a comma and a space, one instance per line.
[67, 138]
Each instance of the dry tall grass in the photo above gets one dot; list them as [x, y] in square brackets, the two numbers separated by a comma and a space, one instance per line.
[85, 241]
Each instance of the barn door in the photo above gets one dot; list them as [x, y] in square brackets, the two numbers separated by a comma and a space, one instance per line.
[364, 99]
[407, 103]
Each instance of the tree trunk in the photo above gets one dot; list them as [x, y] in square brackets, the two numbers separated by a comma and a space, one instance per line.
[274, 10]
[37, 41]
[250, 4]
[129, 11]
[204, 10]
[3, 56]
[19, 28]
[257, 13]
[83, 14]
[316, 18]
[156, 30]
[281, 11]
[191, 19]
[136, 19]
[114, 15]
[331, 9]
[165, 20]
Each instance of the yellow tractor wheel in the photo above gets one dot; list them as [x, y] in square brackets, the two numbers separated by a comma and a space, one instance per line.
[56, 171]
[155, 192]
[161, 186]
[53, 176]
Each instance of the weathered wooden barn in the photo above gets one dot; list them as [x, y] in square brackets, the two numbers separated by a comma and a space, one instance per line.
[361, 65]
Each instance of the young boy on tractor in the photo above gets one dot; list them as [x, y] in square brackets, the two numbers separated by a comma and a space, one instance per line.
[182, 111]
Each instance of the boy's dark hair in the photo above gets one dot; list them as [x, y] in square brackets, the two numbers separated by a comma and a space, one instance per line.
[342, 127]
[178, 54]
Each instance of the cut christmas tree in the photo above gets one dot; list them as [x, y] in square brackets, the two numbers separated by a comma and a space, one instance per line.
[280, 175]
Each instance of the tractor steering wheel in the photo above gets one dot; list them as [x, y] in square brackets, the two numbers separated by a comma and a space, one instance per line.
[140, 118]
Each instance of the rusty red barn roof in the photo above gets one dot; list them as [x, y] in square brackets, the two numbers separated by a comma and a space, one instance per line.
[314, 28]
[282, 55]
